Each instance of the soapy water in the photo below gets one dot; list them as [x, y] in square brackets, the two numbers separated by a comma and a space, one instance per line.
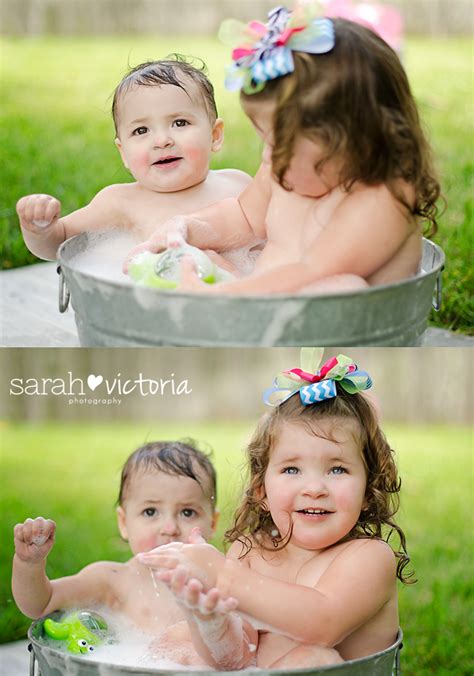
[126, 646]
[41, 223]
[39, 540]
[104, 256]
[107, 250]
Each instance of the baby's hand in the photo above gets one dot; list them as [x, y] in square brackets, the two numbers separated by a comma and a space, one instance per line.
[170, 233]
[34, 539]
[38, 212]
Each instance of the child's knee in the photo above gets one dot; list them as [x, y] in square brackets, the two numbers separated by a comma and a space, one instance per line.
[308, 656]
[175, 644]
[336, 284]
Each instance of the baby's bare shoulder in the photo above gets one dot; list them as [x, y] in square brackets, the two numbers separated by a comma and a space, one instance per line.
[234, 177]
[103, 569]
[118, 191]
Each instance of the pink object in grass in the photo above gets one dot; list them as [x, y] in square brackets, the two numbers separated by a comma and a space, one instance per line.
[385, 20]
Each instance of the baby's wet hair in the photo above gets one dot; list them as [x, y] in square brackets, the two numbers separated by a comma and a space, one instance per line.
[356, 101]
[178, 458]
[176, 70]
[253, 522]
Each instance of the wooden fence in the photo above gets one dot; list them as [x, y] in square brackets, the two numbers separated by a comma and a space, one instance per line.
[194, 17]
[411, 384]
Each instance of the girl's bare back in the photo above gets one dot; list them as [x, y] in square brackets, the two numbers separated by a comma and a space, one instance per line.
[296, 224]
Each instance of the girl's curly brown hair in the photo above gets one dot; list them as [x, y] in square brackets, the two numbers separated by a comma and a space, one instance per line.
[356, 100]
[253, 524]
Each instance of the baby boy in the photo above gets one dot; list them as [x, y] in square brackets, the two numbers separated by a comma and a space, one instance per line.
[167, 494]
[166, 127]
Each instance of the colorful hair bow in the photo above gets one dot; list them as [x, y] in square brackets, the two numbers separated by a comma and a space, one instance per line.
[264, 51]
[317, 385]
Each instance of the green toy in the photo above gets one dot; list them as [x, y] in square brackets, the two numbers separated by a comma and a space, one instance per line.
[81, 631]
[162, 270]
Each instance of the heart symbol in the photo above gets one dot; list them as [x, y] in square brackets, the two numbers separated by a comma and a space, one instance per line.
[94, 381]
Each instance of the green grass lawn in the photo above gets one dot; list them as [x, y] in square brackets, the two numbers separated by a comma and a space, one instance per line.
[57, 135]
[71, 472]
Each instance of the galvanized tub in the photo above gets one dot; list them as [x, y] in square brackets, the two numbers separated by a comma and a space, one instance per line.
[114, 313]
[45, 661]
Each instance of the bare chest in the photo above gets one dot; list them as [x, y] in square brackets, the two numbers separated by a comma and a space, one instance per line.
[305, 572]
[150, 608]
[145, 210]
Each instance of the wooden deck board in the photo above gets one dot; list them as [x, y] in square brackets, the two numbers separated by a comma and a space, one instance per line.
[29, 309]
[14, 659]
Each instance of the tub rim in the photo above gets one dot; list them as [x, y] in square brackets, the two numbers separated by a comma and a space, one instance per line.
[172, 293]
[395, 648]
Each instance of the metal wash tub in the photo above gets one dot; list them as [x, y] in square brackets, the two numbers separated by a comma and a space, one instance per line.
[45, 661]
[113, 314]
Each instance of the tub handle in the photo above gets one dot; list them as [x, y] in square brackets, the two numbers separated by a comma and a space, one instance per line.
[436, 302]
[32, 659]
[64, 294]
[397, 668]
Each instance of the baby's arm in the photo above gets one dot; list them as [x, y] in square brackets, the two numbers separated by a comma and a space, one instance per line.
[31, 588]
[229, 224]
[36, 595]
[44, 230]
[221, 638]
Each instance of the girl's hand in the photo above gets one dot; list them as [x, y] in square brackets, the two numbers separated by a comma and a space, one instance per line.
[38, 212]
[201, 561]
[190, 592]
[189, 279]
[34, 539]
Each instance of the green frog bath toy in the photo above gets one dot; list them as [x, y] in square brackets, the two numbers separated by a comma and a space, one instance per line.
[81, 631]
[162, 270]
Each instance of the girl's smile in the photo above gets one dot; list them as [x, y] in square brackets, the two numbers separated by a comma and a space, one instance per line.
[315, 485]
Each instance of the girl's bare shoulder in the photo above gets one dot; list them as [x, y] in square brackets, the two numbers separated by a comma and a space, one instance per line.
[368, 550]
[398, 193]
[244, 553]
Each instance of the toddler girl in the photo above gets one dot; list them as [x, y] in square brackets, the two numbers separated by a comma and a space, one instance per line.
[309, 556]
[346, 178]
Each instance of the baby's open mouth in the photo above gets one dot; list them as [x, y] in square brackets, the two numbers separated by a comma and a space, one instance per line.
[166, 160]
